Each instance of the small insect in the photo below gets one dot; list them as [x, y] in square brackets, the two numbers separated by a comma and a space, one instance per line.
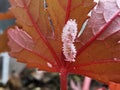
[68, 38]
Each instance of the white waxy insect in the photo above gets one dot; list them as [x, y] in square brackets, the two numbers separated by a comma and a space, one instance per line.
[68, 38]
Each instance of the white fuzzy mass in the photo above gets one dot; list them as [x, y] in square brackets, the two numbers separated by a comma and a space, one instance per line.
[68, 38]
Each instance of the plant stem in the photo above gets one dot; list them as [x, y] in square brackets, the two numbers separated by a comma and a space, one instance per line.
[86, 83]
[63, 79]
[68, 10]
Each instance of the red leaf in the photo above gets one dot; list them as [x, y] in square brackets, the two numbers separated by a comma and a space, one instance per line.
[19, 3]
[114, 86]
[99, 53]
[102, 15]
[98, 48]
[61, 11]
[23, 46]
[21, 38]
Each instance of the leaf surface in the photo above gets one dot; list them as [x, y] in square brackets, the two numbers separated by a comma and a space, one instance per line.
[105, 11]
[24, 49]
[114, 86]
[61, 11]
[37, 22]
[99, 52]
[38, 42]
[28, 17]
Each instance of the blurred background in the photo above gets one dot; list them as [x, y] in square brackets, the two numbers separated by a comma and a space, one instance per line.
[7, 64]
